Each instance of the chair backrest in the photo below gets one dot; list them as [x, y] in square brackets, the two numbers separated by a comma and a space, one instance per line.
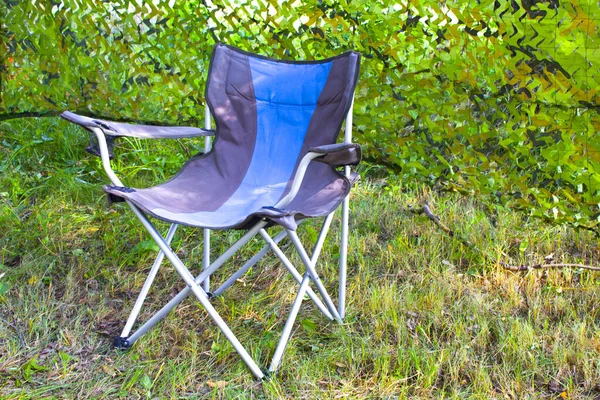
[269, 113]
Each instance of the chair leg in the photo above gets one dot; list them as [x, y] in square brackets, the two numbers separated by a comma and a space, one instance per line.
[295, 274]
[163, 312]
[198, 292]
[304, 289]
[144, 292]
[343, 257]
[207, 146]
[321, 239]
[289, 324]
[203, 298]
[313, 274]
[206, 259]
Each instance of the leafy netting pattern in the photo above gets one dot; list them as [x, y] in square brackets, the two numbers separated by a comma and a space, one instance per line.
[499, 99]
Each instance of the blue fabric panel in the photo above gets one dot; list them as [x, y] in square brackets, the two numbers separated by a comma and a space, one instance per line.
[291, 84]
[286, 97]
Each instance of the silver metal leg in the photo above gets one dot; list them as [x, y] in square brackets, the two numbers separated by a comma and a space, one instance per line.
[159, 315]
[289, 324]
[249, 264]
[207, 147]
[343, 257]
[294, 272]
[206, 258]
[198, 292]
[304, 289]
[345, 218]
[144, 292]
[163, 312]
[321, 239]
[313, 273]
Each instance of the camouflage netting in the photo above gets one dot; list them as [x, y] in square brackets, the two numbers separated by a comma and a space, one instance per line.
[497, 98]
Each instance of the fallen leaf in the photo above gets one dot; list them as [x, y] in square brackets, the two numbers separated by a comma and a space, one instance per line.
[217, 384]
[52, 346]
[109, 370]
[554, 387]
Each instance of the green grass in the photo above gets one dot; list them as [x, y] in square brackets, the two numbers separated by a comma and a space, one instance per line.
[427, 317]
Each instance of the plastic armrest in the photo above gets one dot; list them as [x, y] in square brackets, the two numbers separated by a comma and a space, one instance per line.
[338, 154]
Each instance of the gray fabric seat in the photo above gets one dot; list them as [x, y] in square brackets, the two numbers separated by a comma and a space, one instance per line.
[196, 198]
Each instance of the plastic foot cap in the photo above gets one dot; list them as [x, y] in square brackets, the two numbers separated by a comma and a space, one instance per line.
[267, 375]
[121, 343]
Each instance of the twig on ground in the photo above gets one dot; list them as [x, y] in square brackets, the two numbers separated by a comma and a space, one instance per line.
[436, 220]
[443, 227]
[542, 266]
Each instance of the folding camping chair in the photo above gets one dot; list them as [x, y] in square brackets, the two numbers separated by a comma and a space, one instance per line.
[273, 119]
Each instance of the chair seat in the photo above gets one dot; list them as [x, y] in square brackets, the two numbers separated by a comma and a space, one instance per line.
[208, 200]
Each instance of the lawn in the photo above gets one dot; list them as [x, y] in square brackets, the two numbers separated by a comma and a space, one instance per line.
[427, 316]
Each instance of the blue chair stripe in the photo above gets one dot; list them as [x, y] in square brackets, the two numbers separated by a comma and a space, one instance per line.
[285, 104]
[284, 107]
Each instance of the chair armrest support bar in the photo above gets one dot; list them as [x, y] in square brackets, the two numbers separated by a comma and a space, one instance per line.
[333, 154]
[298, 178]
[105, 156]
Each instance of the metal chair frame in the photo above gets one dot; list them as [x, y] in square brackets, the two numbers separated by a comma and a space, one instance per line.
[200, 285]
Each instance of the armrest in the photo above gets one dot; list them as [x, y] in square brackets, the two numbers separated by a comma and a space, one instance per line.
[140, 131]
[335, 155]
[107, 131]
[338, 154]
